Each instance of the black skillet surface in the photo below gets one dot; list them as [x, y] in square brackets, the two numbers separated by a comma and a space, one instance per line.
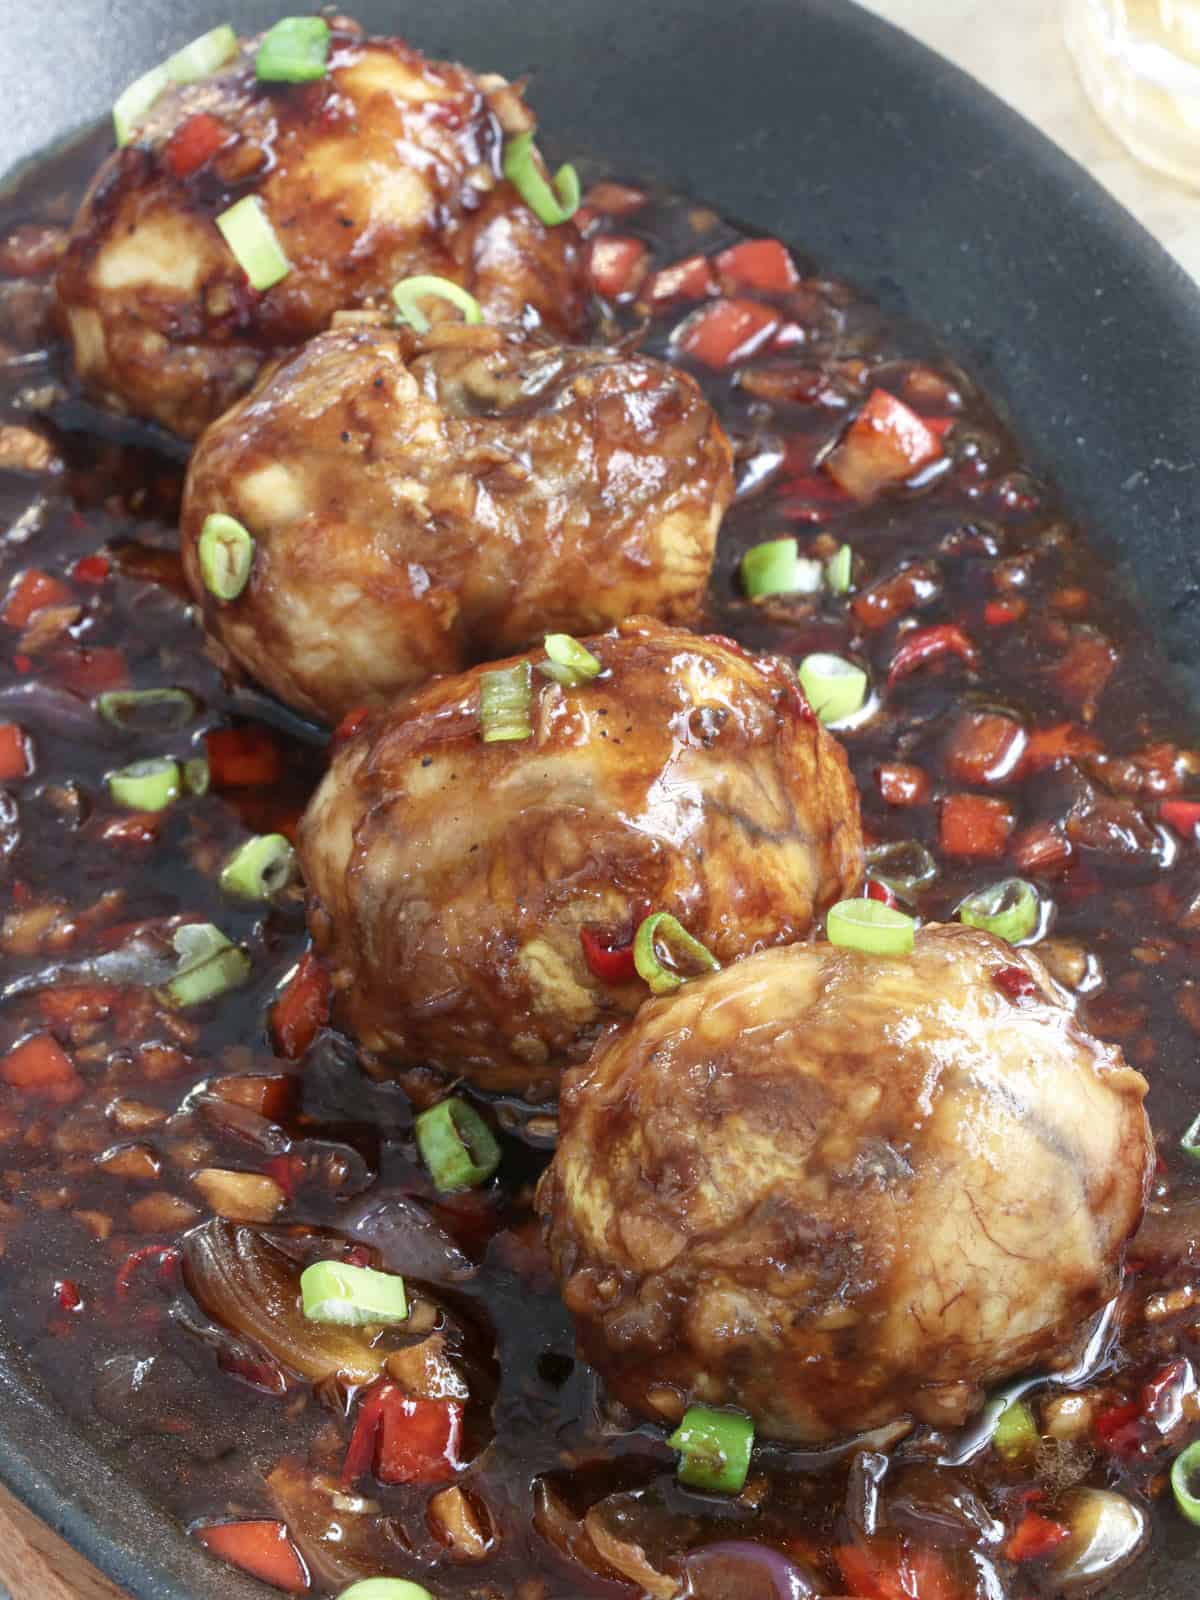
[813, 120]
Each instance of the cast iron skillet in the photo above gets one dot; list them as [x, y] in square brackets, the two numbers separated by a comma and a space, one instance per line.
[814, 120]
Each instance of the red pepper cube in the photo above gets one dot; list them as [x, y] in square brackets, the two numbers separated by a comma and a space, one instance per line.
[975, 826]
[301, 1010]
[16, 753]
[243, 758]
[1064, 741]
[985, 747]
[40, 1066]
[617, 266]
[419, 1440]
[91, 672]
[759, 264]
[1182, 815]
[91, 569]
[194, 143]
[269, 1095]
[885, 444]
[31, 592]
[1003, 613]
[69, 1004]
[689, 279]
[726, 331]
[903, 785]
[884, 1569]
[1035, 1536]
[260, 1548]
[610, 963]
[930, 644]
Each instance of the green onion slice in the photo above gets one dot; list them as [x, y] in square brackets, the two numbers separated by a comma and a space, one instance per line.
[209, 965]
[506, 703]
[456, 1145]
[904, 865]
[1184, 1469]
[131, 107]
[1190, 1143]
[777, 567]
[663, 928]
[295, 50]
[226, 552]
[871, 926]
[335, 1291]
[203, 56]
[714, 1449]
[1010, 909]
[1016, 1434]
[147, 710]
[260, 868]
[552, 206]
[839, 570]
[569, 662]
[146, 785]
[196, 776]
[835, 687]
[409, 290]
[247, 231]
[385, 1589]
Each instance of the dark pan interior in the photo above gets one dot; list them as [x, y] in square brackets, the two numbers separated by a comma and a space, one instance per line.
[814, 120]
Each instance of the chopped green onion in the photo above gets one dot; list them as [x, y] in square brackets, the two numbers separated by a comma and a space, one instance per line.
[904, 865]
[295, 50]
[259, 868]
[210, 965]
[385, 1589]
[839, 570]
[569, 663]
[247, 231]
[777, 567]
[196, 776]
[226, 552]
[203, 56]
[132, 105]
[663, 926]
[146, 785]
[147, 710]
[714, 1449]
[334, 1291]
[835, 687]
[456, 1145]
[1190, 1143]
[409, 290]
[506, 703]
[1185, 1467]
[1016, 1434]
[549, 205]
[871, 926]
[1010, 909]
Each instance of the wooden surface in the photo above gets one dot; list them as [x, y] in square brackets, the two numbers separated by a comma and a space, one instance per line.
[1017, 50]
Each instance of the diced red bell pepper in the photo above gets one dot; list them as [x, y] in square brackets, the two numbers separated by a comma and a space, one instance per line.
[617, 266]
[67, 1295]
[1002, 613]
[615, 199]
[92, 672]
[16, 756]
[611, 963]
[302, 1009]
[985, 747]
[243, 758]
[885, 444]
[40, 1066]
[403, 1439]
[1035, 1536]
[874, 890]
[1063, 741]
[895, 595]
[931, 644]
[193, 143]
[72, 1003]
[1182, 815]
[901, 784]
[1118, 1430]
[269, 1095]
[349, 726]
[726, 331]
[759, 264]
[1018, 983]
[91, 569]
[689, 279]
[260, 1548]
[975, 826]
[32, 591]
[883, 1572]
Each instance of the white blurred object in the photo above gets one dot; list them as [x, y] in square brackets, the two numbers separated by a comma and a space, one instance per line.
[1139, 61]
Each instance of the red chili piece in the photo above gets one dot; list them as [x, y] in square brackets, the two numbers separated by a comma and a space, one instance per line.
[32, 591]
[261, 1548]
[40, 1066]
[931, 644]
[879, 891]
[885, 444]
[302, 1009]
[759, 264]
[349, 726]
[166, 1255]
[403, 1440]
[617, 266]
[1182, 815]
[91, 569]
[726, 332]
[1036, 1536]
[243, 758]
[15, 758]
[611, 963]
[193, 143]
[1016, 982]
[903, 785]
[1118, 1430]
[998, 615]
[67, 1295]
[689, 279]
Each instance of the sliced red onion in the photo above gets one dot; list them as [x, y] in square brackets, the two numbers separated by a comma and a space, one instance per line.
[741, 1570]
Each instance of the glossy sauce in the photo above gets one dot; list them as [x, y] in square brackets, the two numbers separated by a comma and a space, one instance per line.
[975, 540]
